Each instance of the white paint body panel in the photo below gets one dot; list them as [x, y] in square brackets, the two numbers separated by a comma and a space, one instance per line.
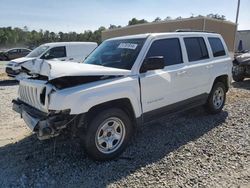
[81, 98]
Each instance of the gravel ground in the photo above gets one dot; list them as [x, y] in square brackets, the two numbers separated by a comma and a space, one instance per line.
[3, 75]
[189, 149]
[2, 65]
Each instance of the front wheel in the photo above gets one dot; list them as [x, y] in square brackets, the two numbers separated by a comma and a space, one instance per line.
[108, 134]
[217, 98]
[237, 73]
[238, 78]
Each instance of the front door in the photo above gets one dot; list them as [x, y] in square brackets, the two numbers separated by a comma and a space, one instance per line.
[58, 52]
[160, 88]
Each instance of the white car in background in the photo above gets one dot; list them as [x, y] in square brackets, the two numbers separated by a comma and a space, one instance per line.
[63, 51]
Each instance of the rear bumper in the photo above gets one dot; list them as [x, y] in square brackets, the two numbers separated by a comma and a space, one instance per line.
[45, 125]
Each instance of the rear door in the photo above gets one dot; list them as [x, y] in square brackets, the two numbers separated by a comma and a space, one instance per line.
[198, 63]
[24, 52]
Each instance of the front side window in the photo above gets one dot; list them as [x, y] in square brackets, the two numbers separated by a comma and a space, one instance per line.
[170, 49]
[196, 48]
[217, 46]
[56, 52]
[116, 53]
[38, 51]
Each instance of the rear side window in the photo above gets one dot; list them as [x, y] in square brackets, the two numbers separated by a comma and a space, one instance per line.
[170, 49]
[24, 51]
[217, 46]
[196, 48]
[57, 52]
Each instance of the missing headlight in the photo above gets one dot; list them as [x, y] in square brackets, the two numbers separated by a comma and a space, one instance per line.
[42, 96]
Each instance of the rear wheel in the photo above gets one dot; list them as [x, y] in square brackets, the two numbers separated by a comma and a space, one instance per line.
[217, 98]
[107, 134]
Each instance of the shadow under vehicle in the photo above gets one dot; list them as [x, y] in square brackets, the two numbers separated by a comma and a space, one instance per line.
[63, 162]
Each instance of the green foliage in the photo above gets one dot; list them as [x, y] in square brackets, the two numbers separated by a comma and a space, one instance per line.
[134, 21]
[111, 26]
[216, 16]
[157, 19]
[10, 37]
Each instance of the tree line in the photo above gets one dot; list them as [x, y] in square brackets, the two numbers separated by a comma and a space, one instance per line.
[10, 37]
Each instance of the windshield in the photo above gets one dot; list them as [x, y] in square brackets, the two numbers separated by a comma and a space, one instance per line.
[38, 51]
[116, 53]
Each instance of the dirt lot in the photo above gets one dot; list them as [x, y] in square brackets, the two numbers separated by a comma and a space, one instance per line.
[3, 75]
[189, 149]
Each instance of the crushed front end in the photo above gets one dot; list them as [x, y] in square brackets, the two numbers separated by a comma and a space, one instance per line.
[32, 103]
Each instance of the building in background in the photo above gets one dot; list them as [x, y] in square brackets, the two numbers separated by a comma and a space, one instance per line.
[225, 28]
[242, 40]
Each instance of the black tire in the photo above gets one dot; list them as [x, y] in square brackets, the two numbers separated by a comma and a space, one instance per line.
[212, 107]
[237, 73]
[90, 136]
[238, 78]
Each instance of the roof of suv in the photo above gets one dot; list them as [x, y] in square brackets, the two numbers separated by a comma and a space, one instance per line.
[166, 34]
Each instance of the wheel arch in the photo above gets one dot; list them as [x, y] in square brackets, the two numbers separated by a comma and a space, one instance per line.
[224, 79]
[122, 103]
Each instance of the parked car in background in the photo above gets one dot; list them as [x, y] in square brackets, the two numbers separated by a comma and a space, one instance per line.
[63, 51]
[241, 66]
[125, 82]
[14, 53]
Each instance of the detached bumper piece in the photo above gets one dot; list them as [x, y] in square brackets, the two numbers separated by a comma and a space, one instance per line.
[44, 125]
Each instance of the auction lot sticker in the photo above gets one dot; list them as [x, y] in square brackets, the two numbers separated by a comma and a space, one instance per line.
[128, 46]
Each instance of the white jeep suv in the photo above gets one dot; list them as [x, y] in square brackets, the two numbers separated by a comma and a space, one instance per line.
[125, 82]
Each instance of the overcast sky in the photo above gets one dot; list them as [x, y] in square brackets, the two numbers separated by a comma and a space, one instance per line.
[80, 15]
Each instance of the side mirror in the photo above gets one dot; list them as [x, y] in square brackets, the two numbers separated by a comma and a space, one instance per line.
[152, 63]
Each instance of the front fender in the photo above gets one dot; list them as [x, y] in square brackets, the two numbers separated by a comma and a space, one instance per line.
[81, 98]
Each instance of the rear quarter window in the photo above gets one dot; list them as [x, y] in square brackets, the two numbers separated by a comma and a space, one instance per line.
[196, 48]
[216, 46]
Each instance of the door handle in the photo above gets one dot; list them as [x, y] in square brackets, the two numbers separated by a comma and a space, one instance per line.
[209, 66]
[181, 73]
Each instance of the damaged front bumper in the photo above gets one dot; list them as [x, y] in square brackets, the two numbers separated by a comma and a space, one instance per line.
[45, 125]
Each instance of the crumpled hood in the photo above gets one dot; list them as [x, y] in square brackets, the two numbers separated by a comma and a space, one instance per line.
[57, 69]
[22, 59]
[243, 57]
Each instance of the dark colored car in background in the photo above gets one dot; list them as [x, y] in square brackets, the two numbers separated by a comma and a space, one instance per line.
[14, 53]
